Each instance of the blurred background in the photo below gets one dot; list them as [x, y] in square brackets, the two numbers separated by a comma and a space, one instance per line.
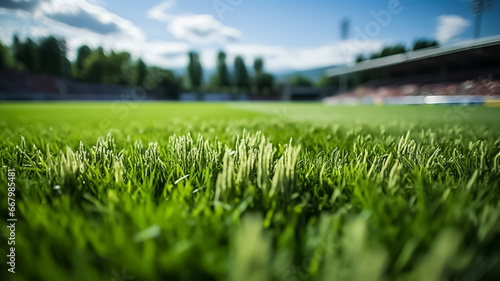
[338, 52]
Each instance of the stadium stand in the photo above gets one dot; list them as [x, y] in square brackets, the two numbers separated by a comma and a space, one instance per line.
[471, 68]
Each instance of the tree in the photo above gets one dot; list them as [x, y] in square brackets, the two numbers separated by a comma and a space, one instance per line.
[195, 72]
[110, 69]
[52, 52]
[264, 82]
[93, 67]
[4, 56]
[94, 70]
[66, 68]
[300, 81]
[327, 81]
[398, 49]
[114, 68]
[25, 54]
[213, 82]
[424, 43]
[16, 48]
[242, 80]
[82, 53]
[222, 73]
[386, 51]
[100, 51]
[335, 82]
[258, 65]
[169, 84]
[141, 73]
[393, 50]
[360, 58]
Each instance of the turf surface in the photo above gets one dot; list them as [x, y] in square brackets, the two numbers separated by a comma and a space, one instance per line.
[159, 191]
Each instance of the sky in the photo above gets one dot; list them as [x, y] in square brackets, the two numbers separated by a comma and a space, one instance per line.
[288, 34]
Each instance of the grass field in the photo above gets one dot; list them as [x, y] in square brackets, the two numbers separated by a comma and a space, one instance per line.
[159, 191]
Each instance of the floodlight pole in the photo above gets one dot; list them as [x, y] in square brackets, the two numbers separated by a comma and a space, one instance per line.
[345, 28]
[477, 26]
[478, 7]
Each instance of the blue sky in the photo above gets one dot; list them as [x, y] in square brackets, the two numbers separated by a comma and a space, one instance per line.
[292, 34]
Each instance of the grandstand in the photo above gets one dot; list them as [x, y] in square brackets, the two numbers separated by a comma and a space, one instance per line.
[469, 68]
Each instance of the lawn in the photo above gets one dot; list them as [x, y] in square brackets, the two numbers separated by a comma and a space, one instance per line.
[250, 191]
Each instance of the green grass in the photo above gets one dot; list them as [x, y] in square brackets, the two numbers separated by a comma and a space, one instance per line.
[251, 191]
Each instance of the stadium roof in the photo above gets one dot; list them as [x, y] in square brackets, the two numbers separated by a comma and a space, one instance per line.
[488, 47]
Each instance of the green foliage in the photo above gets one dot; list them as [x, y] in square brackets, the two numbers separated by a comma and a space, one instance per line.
[392, 50]
[258, 65]
[83, 52]
[360, 58]
[242, 80]
[52, 54]
[264, 83]
[66, 68]
[5, 57]
[94, 67]
[328, 81]
[141, 73]
[301, 81]
[374, 56]
[113, 68]
[117, 68]
[166, 80]
[213, 82]
[424, 44]
[222, 73]
[386, 51]
[49, 56]
[16, 50]
[253, 191]
[26, 54]
[195, 71]
[334, 82]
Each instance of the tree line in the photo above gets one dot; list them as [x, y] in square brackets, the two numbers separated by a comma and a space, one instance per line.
[49, 55]
[240, 81]
[398, 49]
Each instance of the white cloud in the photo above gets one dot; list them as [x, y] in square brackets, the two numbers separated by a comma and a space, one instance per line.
[160, 53]
[23, 5]
[165, 54]
[98, 27]
[84, 15]
[77, 16]
[202, 29]
[450, 26]
[159, 12]
[197, 30]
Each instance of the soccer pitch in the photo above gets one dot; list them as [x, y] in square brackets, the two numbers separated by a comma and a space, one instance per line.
[249, 191]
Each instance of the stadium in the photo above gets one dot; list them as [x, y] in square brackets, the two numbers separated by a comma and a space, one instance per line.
[249, 140]
[463, 74]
